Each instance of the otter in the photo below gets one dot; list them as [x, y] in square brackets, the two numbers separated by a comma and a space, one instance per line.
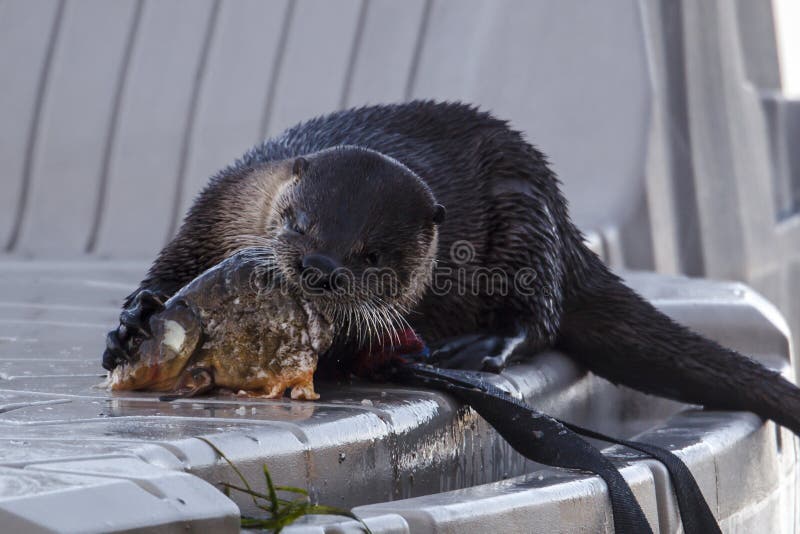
[379, 181]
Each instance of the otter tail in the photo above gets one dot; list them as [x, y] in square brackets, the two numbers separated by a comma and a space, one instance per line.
[620, 336]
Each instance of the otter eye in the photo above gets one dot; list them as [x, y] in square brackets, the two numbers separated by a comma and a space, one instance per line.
[372, 258]
[293, 227]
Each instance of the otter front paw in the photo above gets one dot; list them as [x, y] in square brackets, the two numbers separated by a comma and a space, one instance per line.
[134, 322]
[116, 351]
[136, 318]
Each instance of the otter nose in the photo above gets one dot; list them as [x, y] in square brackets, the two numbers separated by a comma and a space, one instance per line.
[318, 270]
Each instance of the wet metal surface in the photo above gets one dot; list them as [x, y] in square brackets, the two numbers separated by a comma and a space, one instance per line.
[360, 444]
[380, 441]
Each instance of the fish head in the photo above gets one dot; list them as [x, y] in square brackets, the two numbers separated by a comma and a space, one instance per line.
[164, 357]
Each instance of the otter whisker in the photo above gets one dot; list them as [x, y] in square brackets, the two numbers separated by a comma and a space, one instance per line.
[346, 318]
[371, 329]
[375, 321]
[386, 323]
[399, 319]
[346, 314]
[394, 333]
[394, 317]
[354, 319]
[354, 322]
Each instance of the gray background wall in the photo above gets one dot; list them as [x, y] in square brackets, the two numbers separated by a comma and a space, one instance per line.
[664, 119]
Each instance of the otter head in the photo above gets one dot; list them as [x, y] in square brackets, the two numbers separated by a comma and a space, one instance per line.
[356, 231]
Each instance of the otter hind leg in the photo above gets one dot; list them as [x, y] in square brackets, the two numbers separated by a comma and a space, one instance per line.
[480, 352]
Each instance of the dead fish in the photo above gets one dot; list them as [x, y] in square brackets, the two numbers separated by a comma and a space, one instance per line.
[235, 326]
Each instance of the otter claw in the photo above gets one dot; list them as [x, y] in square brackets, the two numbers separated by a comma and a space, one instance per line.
[469, 352]
[114, 354]
[493, 364]
[134, 321]
[478, 352]
[150, 301]
[136, 317]
[131, 321]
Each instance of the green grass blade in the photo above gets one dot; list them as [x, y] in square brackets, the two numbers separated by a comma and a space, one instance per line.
[333, 510]
[235, 469]
[273, 495]
[283, 512]
[229, 486]
[293, 512]
[292, 489]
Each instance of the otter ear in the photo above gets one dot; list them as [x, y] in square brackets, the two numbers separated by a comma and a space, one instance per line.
[300, 167]
[438, 214]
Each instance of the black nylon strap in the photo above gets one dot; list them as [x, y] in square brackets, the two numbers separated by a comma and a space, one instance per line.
[533, 434]
[549, 441]
[696, 516]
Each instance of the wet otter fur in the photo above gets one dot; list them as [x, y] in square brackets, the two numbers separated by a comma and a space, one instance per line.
[504, 202]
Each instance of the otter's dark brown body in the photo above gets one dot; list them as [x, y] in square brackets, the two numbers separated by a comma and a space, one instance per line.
[505, 209]
[502, 201]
